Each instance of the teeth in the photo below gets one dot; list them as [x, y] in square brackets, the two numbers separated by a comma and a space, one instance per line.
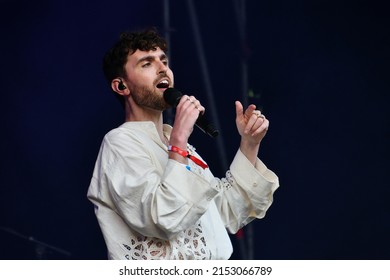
[163, 84]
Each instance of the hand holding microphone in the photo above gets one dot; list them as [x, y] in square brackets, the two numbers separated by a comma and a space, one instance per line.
[173, 97]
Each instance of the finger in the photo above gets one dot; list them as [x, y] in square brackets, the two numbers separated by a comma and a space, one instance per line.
[251, 124]
[249, 110]
[190, 103]
[263, 128]
[239, 109]
[196, 104]
[259, 119]
[200, 109]
[192, 99]
[183, 100]
[258, 114]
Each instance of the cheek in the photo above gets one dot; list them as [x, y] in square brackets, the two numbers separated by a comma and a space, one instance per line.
[140, 78]
[170, 74]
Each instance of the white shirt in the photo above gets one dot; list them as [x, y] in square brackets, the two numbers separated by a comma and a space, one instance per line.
[151, 207]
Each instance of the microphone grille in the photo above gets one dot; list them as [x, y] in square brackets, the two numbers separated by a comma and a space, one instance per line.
[172, 96]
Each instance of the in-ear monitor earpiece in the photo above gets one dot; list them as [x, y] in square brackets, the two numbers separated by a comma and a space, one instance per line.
[121, 86]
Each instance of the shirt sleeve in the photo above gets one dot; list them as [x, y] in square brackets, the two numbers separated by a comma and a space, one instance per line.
[154, 202]
[246, 192]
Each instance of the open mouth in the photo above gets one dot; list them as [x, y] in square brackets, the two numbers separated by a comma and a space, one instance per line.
[163, 84]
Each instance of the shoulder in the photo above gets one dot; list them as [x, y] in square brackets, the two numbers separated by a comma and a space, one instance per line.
[128, 131]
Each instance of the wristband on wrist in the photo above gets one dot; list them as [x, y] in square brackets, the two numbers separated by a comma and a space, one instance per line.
[187, 155]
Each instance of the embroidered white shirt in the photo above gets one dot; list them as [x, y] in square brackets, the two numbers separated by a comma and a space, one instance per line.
[151, 207]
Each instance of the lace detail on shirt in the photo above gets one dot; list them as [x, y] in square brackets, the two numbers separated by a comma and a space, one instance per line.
[188, 244]
[227, 182]
[146, 248]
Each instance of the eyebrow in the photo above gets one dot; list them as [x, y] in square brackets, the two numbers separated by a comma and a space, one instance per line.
[151, 58]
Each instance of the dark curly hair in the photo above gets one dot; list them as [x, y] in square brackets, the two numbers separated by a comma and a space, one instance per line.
[129, 42]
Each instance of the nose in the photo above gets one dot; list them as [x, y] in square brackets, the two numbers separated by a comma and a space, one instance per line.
[162, 68]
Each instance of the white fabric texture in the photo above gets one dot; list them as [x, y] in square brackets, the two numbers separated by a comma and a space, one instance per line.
[151, 207]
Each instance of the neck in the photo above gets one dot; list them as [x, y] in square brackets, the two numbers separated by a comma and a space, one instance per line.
[138, 114]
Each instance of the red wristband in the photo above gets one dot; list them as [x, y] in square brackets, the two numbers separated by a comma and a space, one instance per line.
[187, 155]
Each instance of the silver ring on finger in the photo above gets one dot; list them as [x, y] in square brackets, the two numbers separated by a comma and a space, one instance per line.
[257, 113]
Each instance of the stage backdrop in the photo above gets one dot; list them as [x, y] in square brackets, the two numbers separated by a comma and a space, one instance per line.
[317, 69]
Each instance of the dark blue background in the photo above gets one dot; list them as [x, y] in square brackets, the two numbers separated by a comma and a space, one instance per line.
[318, 69]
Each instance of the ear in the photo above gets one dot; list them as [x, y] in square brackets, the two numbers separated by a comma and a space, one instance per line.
[119, 86]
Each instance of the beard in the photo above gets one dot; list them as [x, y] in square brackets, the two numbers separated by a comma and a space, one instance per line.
[149, 98]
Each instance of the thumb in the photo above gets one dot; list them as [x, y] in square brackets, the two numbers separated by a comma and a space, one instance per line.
[239, 109]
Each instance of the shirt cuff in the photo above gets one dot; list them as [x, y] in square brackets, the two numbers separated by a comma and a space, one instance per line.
[255, 176]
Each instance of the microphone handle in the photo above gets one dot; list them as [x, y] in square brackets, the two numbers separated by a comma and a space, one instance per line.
[206, 127]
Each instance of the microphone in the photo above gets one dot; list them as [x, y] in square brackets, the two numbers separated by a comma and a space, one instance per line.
[172, 97]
